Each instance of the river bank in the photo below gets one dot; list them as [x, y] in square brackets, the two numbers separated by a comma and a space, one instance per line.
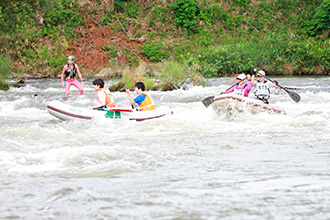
[219, 37]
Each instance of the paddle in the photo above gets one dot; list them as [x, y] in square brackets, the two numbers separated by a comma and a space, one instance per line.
[293, 88]
[131, 105]
[208, 101]
[294, 96]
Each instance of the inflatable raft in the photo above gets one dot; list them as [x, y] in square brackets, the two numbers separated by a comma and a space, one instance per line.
[66, 112]
[232, 102]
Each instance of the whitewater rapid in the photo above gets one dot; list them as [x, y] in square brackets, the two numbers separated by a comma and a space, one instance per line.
[194, 164]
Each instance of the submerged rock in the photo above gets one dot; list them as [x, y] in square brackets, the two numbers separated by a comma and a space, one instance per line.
[18, 84]
[186, 84]
[4, 86]
[120, 86]
[168, 86]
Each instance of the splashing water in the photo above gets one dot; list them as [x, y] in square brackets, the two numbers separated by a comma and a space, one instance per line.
[194, 164]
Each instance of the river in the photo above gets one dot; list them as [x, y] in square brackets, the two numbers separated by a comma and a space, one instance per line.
[193, 164]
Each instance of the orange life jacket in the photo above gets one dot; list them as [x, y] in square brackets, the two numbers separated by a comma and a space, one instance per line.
[108, 98]
[147, 103]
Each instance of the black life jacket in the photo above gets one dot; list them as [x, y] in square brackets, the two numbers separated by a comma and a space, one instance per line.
[70, 74]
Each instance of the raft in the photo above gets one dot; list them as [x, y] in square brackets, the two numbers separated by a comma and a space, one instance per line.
[67, 112]
[232, 102]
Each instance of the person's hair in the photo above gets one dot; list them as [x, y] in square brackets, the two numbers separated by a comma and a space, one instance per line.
[99, 82]
[140, 85]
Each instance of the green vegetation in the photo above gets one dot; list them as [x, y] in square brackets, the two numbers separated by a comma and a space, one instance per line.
[176, 73]
[284, 54]
[5, 70]
[213, 37]
[186, 14]
[154, 51]
[320, 22]
[133, 75]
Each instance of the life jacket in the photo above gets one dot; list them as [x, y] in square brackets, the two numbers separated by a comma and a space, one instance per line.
[70, 74]
[109, 102]
[262, 90]
[240, 91]
[147, 103]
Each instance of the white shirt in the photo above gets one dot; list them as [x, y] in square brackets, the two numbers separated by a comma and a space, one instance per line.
[262, 89]
[101, 96]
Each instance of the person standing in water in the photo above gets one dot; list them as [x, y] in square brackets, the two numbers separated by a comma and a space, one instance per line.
[242, 88]
[143, 101]
[69, 72]
[104, 97]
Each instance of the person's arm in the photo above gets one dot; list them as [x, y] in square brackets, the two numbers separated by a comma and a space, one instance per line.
[276, 84]
[99, 104]
[248, 88]
[272, 84]
[230, 90]
[80, 76]
[253, 83]
[131, 100]
[62, 76]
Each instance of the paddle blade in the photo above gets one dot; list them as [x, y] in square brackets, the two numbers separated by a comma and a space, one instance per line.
[208, 101]
[295, 97]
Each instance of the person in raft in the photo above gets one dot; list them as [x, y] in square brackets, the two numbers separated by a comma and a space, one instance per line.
[262, 91]
[143, 101]
[242, 88]
[69, 72]
[104, 97]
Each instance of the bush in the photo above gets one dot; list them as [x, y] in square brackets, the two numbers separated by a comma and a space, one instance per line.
[186, 14]
[320, 21]
[220, 61]
[5, 67]
[154, 51]
[5, 71]
[276, 52]
[174, 72]
[67, 14]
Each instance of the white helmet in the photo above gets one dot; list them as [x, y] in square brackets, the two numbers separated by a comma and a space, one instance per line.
[71, 58]
[241, 76]
[261, 73]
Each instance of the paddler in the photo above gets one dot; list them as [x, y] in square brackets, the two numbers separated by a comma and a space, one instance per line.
[243, 88]
[262, 87]
[143, 101]
[69, 72]
[104, 97]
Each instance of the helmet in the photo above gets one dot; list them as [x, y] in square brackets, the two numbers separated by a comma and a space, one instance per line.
[241, 76]
[261, 73]
[71, 58]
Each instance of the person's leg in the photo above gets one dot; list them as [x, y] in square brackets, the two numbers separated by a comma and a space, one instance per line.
[67, 88]
[78, 86]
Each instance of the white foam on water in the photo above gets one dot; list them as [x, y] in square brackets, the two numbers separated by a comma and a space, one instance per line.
[184, 165]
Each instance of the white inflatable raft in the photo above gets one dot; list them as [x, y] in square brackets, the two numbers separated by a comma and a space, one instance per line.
[66, 112]
[232, 102]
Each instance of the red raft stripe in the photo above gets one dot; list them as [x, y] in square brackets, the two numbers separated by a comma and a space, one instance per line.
[120, 110]
[69, 114]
